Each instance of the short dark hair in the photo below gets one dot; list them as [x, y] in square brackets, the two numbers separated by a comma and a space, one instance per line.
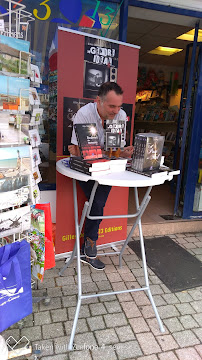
[109, 86]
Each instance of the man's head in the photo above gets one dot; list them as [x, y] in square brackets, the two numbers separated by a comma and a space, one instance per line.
[109, 100]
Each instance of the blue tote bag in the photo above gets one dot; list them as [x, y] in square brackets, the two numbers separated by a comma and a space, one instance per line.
[15, 283]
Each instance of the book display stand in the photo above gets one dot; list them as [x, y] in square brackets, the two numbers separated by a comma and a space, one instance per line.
[20, 116]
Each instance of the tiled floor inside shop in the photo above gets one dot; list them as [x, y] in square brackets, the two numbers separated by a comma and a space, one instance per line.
[116, 327]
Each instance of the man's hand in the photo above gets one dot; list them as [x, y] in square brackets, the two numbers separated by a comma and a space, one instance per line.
[74, 150]
[127, 152]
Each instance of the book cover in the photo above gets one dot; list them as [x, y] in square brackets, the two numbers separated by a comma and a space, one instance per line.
[88, 141]
[147, 153]
[92, 165]
[115, 132]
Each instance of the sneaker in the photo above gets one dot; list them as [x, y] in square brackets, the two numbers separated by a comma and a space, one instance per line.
[90, 249]
[95, 263]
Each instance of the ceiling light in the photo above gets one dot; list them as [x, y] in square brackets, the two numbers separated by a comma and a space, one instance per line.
[163, 50]
[189, 36]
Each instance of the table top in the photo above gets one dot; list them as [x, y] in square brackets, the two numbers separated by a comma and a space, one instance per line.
[122, 178]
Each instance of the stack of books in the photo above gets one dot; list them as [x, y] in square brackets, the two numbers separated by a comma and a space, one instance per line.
[92, 161]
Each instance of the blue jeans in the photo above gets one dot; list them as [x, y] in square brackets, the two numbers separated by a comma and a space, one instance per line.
[92, 226]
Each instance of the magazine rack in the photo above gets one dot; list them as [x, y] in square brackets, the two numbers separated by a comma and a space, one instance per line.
[122, 179]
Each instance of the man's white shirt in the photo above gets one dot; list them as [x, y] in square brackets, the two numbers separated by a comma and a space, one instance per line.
[88, 114]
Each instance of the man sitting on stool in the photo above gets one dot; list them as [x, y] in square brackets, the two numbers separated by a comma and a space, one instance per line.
[107, 106]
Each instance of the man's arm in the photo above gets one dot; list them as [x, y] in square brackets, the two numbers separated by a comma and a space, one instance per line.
[74, 150]
[126, 152]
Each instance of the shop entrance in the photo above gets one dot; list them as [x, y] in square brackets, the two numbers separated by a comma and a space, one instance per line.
[160, 78]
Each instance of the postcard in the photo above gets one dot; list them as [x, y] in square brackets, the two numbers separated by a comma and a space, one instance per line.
[15, 160]
[33, 97]
[15, 191]
[35, 194]
[35, 77]
[36, 176]
[34, 137]
[14, 93]
[36, 116]
[36, 159]
[15, 221]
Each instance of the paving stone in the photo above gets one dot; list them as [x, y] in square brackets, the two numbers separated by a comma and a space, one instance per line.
[147, 311]
[47, 283]
[140, 298]
[168, 356]
[128, 350]
[188, 354]
[195, 294]
[130, 257]
[114, 277]
[156, 289]
[89, 288]
[110, 269]
[190, 239]
[121, 286]
[198, 333]
[138, 325]
[106, 337]
[113, 307]
[28, 321]
[80, 355]
[197, 305]
[199, 349]
[133, 265]
[41, 318]
[125, 333]
[59, 315]
[170, 298]
[86, 278]
[90, 300]
[167, 342]
[45, 347]
[183, 296]
[105, 298]
[61, 345]
[148, 343]
[56, 357]
[197, 251]
[54, 292]
[165, 289]
[185, 309]
[96, 323]
[83, 313]
[188, 322]
[98, 277]
[103, 285]
[154, 279]
[70, 290]
[181, 240]
[158, 299]
[52, 331]
[62, 281]
[69, 300]
[113, 320]
[85, 341]
[106, 352]
[198, 318]
[33, 333]
[154, 326]
[11, 332]
[167, 311]
[97, 309]
[149, 357]
[130, 308]
[81, 326]
[189, 246]
[128, 276]
[173, 324]
[186, 338]
[54, 304]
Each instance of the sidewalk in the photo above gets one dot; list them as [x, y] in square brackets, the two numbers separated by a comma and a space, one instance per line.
[116, 327]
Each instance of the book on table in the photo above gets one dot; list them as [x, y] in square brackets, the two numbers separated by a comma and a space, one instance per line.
[92, 159]
[115, 133]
